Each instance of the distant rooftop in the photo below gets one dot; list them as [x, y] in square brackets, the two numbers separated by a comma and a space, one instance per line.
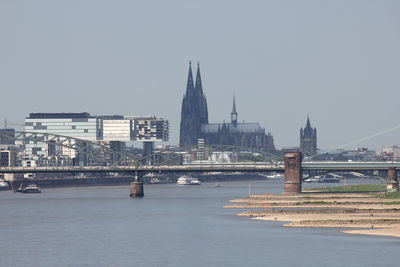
[111, 117]
[58, 115]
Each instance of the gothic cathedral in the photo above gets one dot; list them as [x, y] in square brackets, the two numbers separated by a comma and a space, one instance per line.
[195, 125]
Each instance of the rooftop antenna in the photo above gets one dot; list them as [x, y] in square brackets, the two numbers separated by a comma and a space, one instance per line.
[5, 123]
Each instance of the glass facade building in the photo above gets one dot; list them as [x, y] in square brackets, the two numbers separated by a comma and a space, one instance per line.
[76, 125]
[108, 130]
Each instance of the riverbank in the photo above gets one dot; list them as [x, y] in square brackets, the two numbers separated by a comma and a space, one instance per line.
[370, 212]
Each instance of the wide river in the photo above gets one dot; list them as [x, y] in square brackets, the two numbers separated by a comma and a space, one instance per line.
[170, 226]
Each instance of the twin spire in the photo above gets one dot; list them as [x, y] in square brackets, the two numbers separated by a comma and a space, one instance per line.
[191, 88]
[194, 90]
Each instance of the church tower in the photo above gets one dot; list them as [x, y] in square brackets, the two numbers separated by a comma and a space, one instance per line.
[308, 139]
[234, 113]
[201, 98]
[194, 110]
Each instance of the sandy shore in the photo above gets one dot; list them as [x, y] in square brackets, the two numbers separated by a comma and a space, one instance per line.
[377, 216]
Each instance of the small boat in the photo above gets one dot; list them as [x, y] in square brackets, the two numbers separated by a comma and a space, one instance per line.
[4, 185]
[32, 188]
[159, 180]
[330, 180]
[154, 180]
[322, 179]
[187, 180]
[275, 176]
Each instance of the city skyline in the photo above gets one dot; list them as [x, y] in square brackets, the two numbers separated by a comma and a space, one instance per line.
[336, 62]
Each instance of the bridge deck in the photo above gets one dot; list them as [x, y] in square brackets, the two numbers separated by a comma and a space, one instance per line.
[160, 168]
[310, 166]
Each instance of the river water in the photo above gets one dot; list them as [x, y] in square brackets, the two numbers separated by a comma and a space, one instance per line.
[170, 226]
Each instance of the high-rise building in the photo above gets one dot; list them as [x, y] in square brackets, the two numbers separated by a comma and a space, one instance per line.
[76, 125]
[195, 125]
[111, 130]
[308, 139]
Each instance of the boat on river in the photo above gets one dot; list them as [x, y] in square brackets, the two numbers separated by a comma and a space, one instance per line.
[32, 188]
[187, 180]
[4, 185]
[327, 178]
[275, 176]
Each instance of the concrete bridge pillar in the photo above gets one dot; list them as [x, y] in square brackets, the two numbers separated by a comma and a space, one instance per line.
[392, 182]
[136, 189]
[293, 172]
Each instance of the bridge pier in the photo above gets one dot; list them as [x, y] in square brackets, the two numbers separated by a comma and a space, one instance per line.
[392, 182]
[136, 188]
[293, 172]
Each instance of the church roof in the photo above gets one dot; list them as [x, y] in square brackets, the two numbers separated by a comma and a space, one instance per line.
[238, 128]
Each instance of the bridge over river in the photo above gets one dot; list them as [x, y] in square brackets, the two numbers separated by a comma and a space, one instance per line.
[228, 167]
[292, 167]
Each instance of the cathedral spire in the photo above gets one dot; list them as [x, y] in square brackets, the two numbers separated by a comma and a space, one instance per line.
[199, 86]
[190, 86]
[308, 131]
[234, 113]
[234, 105]
[308, 124]
[308, 139]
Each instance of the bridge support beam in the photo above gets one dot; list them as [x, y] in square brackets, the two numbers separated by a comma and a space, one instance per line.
[136, 189]
[392, 182]
[293, 172]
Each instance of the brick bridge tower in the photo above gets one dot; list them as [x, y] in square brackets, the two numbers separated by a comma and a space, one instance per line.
[392, 182]
[293, 172]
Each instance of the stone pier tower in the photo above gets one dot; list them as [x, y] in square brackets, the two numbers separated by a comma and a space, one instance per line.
[392, 182]
[136, 188]
[293, 172]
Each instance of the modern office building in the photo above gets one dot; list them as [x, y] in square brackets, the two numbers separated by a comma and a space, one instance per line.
[73, 129]
[149, 129]
[76, 125]
[116, 128]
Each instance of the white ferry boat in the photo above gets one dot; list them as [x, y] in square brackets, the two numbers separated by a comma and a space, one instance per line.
[187, 180]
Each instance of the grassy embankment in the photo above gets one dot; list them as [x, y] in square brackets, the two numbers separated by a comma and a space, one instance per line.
[375, 190]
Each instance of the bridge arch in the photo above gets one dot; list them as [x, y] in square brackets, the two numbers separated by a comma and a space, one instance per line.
[93, 152]
[217, 154]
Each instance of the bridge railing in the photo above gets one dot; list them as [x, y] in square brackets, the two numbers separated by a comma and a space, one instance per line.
[345, 165]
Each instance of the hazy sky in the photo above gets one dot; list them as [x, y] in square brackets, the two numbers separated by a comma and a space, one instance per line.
[338, 61]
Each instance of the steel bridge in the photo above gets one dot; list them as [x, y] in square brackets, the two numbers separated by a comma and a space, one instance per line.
[234, 167]
[348, 166]
[152, 168]
[100, 158]
[100, 153]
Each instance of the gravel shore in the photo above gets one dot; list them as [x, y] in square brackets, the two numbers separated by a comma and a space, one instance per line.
[377, 216]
